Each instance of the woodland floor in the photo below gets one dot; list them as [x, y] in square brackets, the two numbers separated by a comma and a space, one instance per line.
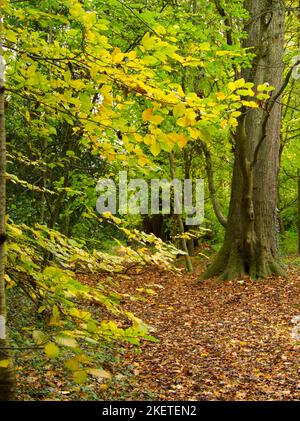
[217, 341]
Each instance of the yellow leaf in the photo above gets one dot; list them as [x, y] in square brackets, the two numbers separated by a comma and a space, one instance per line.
[204, 46]
[231, 86]
[240, 83]
[4, 363]
[51, 350]
[9, 282]
[148, 42]
[155, 148]
[194, 133]
[220, 95]
[182, 141]
[149, 139]
[185, 121]
[15, 230]
[11, 36]
[27, 116]
[160, 30]
[250, 104]
[76, 10]
[222, 53]
[148, 115]
[117, 55]
[157, 119]
[179, 110]
[131, 55]
[233, 122]
[245, 92]
[143, 161]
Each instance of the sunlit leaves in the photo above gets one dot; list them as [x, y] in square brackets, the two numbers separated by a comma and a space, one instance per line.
[149, 116]
[250, 104]
[240, 83]
[117, 56]
[98, 87]
[148, 42]
[265, 88]
[187, 120]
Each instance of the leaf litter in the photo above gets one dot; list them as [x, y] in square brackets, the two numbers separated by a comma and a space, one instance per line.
[216, 341]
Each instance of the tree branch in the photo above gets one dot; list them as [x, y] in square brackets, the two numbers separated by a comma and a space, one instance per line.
[272, 101]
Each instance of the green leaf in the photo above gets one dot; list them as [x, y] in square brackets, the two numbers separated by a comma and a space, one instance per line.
[51, 350]
[80, 376]
[148, 41]
[72, 364]
[39, 337]
[66, 341]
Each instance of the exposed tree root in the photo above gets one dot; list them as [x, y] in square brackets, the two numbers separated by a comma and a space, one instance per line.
[230, 263]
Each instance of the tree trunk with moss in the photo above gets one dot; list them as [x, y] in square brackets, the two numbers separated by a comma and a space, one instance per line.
[7, 376]
[250, 244]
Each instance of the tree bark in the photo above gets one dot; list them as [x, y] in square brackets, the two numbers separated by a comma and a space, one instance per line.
[7, 376]
[250, 244]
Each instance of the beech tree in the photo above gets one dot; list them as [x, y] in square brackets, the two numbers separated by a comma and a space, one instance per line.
[250, 244]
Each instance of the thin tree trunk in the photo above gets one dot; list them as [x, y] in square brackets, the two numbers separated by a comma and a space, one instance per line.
[250, 244]
[187, 258]
[7, 375]
[211, 185]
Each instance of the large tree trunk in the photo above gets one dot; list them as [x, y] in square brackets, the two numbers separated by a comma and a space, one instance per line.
[250, 244]
[7, 377]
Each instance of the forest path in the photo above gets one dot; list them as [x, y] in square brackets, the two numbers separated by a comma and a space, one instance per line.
[217, 341]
